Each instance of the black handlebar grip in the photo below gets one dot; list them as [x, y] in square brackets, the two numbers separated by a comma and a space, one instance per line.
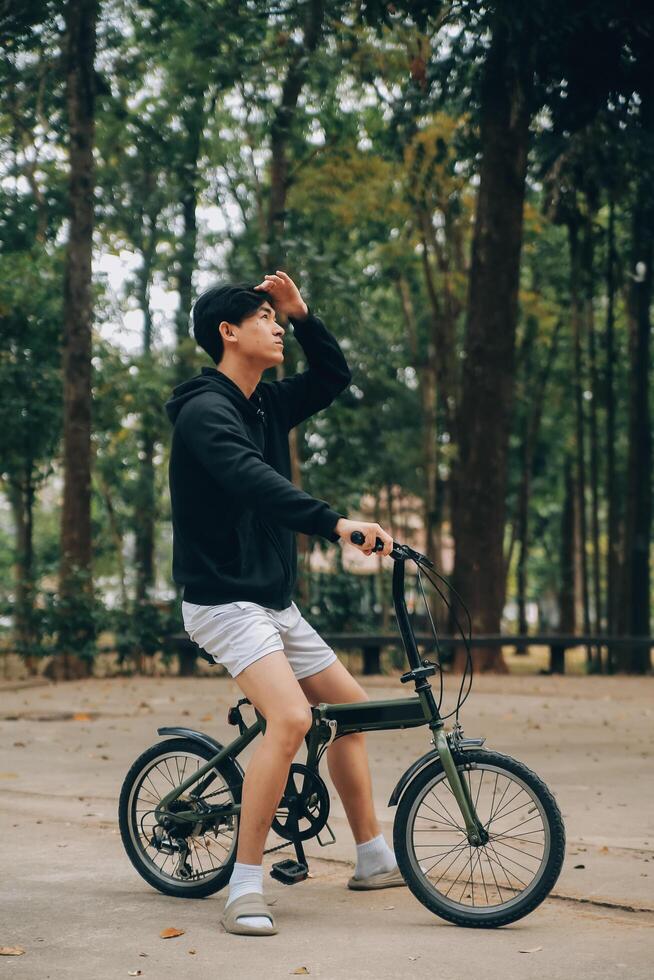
[357, 537]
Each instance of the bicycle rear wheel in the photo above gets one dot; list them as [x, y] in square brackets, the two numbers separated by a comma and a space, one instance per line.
[199, 860]
[497, 882]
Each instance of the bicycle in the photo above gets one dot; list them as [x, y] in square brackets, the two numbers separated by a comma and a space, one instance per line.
[478, 837]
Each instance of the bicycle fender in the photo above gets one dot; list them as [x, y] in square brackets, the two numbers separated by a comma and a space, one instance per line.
[207, 740]
[407, 776]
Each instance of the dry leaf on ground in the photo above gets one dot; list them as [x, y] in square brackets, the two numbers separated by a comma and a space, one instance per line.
[535, 949]
[171, 932]
[11, 950]
[301, 969]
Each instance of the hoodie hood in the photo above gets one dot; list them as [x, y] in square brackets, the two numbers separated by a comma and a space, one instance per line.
[210, 379]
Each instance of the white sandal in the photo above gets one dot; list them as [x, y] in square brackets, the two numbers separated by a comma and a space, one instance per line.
[253, 903]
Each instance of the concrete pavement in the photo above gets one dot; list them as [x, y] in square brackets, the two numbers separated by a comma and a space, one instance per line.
[72, 900]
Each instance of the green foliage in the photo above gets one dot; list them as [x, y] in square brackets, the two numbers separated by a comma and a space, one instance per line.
[140, 629]
[73, 619]
[30, 378]
[381, 163]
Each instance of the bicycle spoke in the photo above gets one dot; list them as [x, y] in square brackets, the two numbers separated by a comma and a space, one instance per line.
[497, 858]
[451, 822]
[490, 875]
[508, 803]
[512, 860]
[520, 850]
[514, 810]
[207, 852]
[457, 847]
[535, 817]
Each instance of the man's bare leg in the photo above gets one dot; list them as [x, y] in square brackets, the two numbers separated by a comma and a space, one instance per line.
[272, 688]
[347, 757]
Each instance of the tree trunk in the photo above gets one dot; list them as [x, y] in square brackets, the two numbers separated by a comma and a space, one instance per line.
[530, 440]
[567, 604]
[588, 257]
[117, 538]
[145, 515]
[488, 373]
[193, 120]
[638, 520]
[427, 389]
[613, 549]
[280, 131]
[21, 499]
[577, 329]
[273, 249]
[75, 566]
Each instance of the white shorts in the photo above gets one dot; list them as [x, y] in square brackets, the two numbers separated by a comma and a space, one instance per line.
[236, 634]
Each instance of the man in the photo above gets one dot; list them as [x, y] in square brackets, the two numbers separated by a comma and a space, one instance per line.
[235, 512]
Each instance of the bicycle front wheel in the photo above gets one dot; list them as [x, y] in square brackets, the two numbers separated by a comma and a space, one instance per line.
[497, 882]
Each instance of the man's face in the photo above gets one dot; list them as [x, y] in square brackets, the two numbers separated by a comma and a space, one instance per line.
[260, 337]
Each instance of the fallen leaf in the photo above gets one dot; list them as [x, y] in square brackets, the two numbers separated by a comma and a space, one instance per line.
[11, 950]
[579, 866]
[81, 716]
[192, 952]
[206, 718]
[171, 932]
[604, 850]
[534, 949]
[301, 969]
[134, 973]
[387, 908]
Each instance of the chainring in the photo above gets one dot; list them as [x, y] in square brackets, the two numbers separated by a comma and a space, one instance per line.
[304, 808]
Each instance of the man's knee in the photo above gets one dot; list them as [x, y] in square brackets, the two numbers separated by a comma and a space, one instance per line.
[291, 725]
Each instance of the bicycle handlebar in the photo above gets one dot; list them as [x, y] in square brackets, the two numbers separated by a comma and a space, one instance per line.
[399, 552]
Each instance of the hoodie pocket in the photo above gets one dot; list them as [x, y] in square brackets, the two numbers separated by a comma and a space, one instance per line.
[278, 548]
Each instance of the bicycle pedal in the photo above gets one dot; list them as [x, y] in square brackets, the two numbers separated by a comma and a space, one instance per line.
[289, 871]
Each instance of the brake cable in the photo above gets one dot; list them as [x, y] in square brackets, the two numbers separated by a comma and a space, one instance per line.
[468, 669]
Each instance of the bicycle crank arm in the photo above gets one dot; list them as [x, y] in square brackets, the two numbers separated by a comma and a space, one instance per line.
[475, 830]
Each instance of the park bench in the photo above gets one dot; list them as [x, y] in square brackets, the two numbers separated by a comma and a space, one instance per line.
[371, 645]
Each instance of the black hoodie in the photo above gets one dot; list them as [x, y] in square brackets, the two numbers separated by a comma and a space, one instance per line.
[234, 508]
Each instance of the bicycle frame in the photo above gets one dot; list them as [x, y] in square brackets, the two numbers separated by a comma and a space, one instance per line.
[330, 721]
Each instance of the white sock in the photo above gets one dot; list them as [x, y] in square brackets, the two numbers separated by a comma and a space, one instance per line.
[247, 878]
[373, 857]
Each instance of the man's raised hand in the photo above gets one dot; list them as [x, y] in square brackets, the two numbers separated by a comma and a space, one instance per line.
[285, 294]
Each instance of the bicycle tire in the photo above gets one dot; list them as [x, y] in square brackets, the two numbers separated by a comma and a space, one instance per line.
[408, 861]
[132, 837]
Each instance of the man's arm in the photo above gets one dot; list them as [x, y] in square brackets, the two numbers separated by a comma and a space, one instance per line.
[215, 434]
[302, 395]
